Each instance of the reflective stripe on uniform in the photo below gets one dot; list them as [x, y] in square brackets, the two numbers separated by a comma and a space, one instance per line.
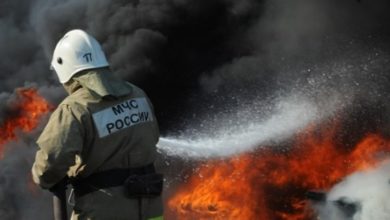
[122, 115]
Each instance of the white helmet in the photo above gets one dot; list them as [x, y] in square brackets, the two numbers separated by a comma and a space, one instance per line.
[75, 52]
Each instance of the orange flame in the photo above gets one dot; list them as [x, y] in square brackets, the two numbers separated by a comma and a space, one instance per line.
[271, 184]
[28, 112]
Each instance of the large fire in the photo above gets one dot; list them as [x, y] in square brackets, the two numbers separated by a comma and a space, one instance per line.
[271, 184]
[27, 112]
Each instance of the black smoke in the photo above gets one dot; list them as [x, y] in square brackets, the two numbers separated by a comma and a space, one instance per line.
[184, 53]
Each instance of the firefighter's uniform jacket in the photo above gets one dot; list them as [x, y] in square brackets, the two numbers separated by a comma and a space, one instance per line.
[104, 124]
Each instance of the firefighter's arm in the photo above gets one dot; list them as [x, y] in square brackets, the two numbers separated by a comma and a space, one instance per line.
[59, 148]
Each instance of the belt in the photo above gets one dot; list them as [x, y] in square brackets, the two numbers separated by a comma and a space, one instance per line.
[107, 179]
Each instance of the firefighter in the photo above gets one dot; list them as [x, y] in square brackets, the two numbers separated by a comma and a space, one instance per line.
[101, 138]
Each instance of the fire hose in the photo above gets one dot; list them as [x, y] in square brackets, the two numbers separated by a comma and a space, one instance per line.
[59, 200]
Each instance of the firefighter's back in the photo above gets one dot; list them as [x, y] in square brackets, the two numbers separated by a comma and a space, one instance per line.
[119, 134]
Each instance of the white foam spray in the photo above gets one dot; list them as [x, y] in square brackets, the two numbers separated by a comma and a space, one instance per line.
[368, 191]
[290, 116]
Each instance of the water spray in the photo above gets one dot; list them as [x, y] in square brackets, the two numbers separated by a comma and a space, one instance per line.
[290, 116]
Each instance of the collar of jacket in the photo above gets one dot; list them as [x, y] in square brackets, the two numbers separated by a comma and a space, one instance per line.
[101, 82]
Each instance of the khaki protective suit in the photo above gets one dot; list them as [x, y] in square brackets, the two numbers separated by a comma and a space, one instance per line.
[104, 124]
